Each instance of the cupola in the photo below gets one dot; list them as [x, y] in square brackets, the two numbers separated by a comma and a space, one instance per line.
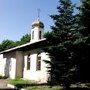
[37, 23]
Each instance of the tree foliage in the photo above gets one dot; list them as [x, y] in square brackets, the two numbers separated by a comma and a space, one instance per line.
[82, 48]
[61, 40]
[85, 17]
[69, 42]
[23, 40]
[7, 44]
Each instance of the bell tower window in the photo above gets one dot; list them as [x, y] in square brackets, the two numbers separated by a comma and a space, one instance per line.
[39, 34]
[32, 34]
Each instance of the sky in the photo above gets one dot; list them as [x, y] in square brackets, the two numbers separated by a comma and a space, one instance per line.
[16, 16]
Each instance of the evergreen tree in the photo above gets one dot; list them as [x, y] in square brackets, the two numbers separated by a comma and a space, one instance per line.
[82, 45]
[85, 17]
[61, 40]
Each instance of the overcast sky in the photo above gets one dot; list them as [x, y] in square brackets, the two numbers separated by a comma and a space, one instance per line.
[16, 16]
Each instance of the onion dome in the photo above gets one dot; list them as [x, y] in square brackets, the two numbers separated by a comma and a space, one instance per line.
[37, 23]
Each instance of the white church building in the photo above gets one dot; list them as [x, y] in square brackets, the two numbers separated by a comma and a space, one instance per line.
[27, 61]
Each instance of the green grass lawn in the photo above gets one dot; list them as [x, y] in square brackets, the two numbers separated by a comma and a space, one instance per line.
[20, 83]
[28, 85]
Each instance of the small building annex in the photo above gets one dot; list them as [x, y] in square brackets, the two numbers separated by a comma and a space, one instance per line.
[27, 61]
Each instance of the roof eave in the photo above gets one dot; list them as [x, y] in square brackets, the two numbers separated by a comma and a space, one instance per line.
[22, 46]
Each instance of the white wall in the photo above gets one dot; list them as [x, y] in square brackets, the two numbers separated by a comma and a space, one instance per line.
[2, 65]
[8, 65]
[38, 76]
[12, 68]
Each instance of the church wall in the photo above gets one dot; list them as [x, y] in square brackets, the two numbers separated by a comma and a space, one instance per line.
[12, 71]
[32, 74]
[28, 73]
[2, 65]
[19, 64]
[8, 64]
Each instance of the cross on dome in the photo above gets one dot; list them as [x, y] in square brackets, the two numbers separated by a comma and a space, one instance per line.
[38, 14]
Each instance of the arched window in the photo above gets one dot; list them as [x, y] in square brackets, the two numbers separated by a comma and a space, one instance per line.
[32, 34]
[28, 62]
[38, 63]
[39, 34]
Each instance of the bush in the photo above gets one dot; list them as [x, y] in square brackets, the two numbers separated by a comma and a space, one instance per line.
[3, 77]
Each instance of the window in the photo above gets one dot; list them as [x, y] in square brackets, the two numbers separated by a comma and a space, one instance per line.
[38, 64]
[32, 34]
[28, 62]
[39, 34]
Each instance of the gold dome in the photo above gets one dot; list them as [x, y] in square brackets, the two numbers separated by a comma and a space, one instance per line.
[37, 23]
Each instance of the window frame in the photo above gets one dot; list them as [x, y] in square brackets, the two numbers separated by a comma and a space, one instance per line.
[32, 34]
[38, 62]
[28, 62]
[40, 34]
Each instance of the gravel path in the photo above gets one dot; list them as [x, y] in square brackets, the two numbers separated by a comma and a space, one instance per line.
[3, 85]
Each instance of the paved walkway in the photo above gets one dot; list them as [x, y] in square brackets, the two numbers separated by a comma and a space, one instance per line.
[3, 85]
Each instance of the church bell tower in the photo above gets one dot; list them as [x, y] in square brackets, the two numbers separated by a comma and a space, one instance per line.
[37, 31]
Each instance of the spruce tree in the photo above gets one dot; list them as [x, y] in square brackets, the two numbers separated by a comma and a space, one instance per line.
[82, 44]
[61, 40]
[85, 17]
